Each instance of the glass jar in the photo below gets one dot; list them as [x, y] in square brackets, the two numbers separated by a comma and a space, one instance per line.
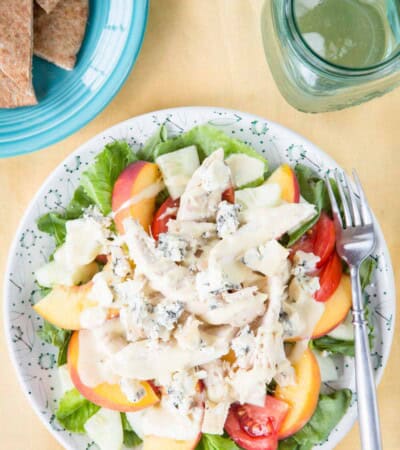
[311, 83]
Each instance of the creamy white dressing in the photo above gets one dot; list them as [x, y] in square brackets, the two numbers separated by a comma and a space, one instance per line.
[146, 360]
[217, 281]
[94, 362]
[150, 191]
[160, 421]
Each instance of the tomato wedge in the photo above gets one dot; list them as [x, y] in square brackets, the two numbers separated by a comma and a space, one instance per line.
[229, 195]
[329, 278]
[320, 240]
[102, 259]
[161, 218]
[255, 427]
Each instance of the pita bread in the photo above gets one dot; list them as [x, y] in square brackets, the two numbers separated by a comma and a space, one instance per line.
[58, 36]
[16, 53]
[11, 97]
[47, 5]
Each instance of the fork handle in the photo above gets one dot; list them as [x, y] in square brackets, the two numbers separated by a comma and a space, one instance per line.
[366, 395]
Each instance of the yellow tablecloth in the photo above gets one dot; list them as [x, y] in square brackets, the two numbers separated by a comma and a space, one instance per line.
[209, 52]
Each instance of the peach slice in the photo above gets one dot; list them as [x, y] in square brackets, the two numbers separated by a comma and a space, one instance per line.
[158, 443]
[140, 181]
[62, 307]
[336, 309]
[301, 396]
[106, 395]
[286, 178]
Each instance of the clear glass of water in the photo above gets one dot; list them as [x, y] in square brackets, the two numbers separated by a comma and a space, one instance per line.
[331, 54]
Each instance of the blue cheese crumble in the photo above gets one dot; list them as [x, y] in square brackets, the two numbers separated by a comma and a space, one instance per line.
[181, 392]
[142, 319]
[304, 262]
[227, 218]
[172, 246]
[244, 345]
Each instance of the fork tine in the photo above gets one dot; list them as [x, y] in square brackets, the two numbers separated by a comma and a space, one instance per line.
[335, 208]
[346, 210]
[353, 202]
[365, 209]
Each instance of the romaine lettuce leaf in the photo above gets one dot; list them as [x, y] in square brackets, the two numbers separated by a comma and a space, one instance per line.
[330, 410]
[57, 337]
[313, 188]
[207, 139]
[367, 271]
[131, 439]
[290, 238]
[148, 150]
[74, 410]
[98, 180]
[333, 345]
[79, 202]
[54, 225]
[216, 442]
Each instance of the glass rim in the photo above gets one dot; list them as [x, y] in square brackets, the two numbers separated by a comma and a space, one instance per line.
[321, 62]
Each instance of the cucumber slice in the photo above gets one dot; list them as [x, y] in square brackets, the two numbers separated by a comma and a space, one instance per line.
[245, 170]
[65, 379]
[266, 195]
[327, 367]
[105, 428]
[344, 331]
[177, 168]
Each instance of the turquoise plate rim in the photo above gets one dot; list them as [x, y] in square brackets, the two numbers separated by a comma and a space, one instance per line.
[108, 91]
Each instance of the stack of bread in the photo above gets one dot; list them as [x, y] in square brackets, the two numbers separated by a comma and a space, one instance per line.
[50, 29]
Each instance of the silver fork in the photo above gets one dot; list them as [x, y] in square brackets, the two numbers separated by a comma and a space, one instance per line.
[355, 241]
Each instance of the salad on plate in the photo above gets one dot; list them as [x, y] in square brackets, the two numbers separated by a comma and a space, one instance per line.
[197, 299]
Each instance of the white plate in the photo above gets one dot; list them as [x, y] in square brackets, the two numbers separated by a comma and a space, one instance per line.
[35, 361]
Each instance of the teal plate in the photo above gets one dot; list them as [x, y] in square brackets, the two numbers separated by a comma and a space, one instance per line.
[70, 99]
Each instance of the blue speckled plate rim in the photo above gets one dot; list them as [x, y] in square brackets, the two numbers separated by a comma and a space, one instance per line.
[108, 91]
[351, 415]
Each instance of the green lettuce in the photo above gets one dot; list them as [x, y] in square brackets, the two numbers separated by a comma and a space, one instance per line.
[74, 411]
[206, 138]
[147, 152]
[54, 225]
[313, 188]
[215, 442]
[367, 269]
[98, 180]
[131, 439]
[291, 238]
[333, 345]
[57, 337]
[330, 410]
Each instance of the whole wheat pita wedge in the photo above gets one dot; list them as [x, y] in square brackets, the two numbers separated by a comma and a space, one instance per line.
[16, 41]
[47, 5]
[58, 36]
[11, 96]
